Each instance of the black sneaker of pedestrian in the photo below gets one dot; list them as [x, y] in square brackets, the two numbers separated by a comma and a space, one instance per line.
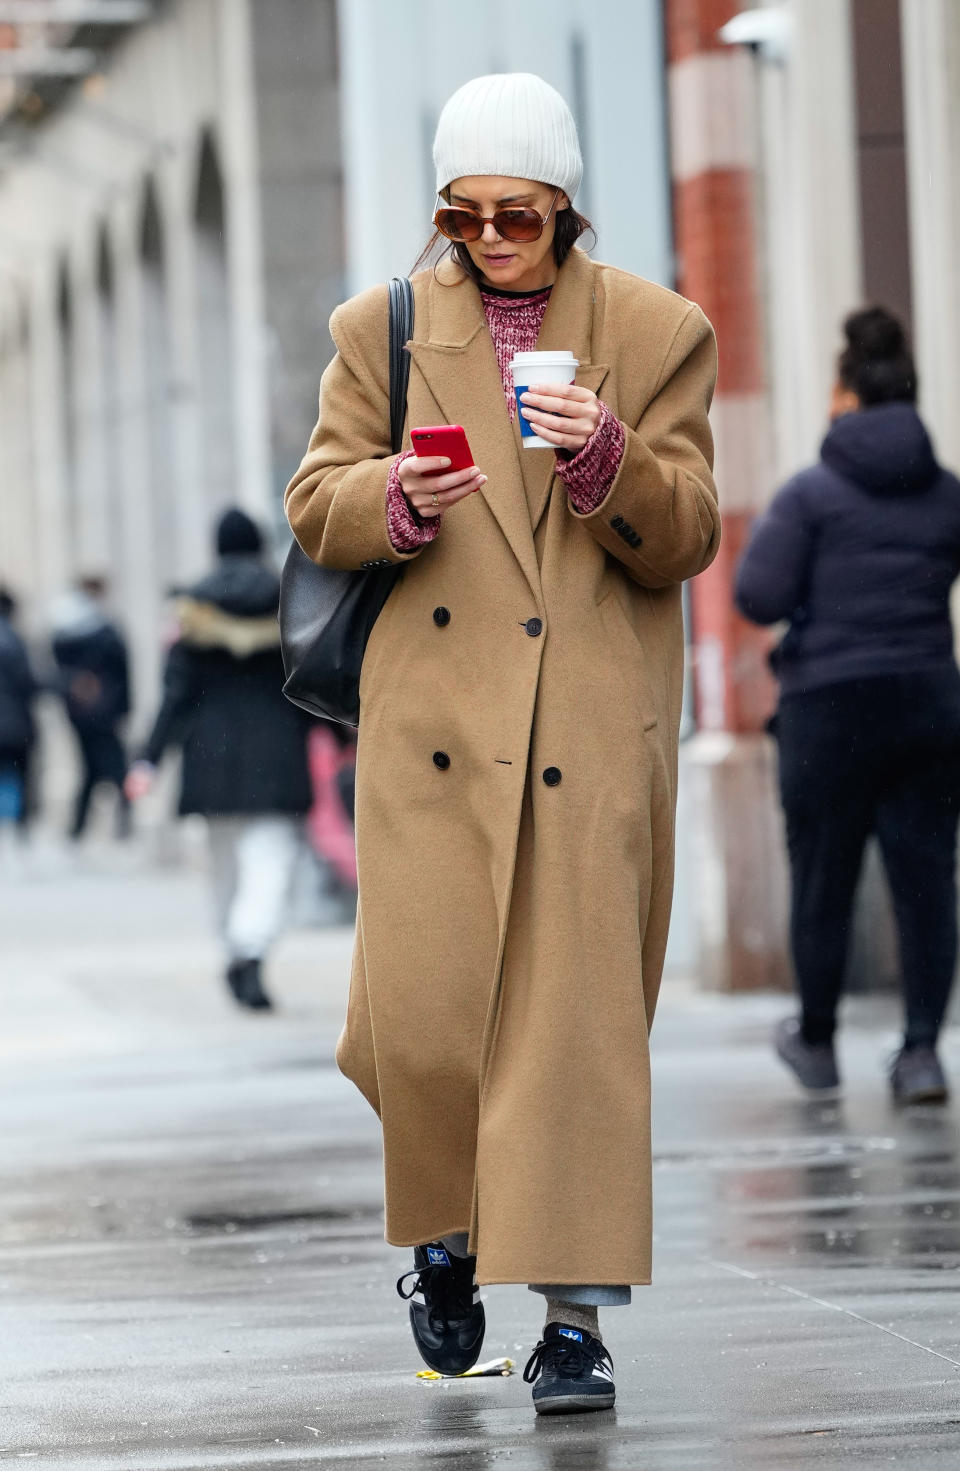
[244, 980]
[573, 1373]
[813, 1063]
[448, 1325]
[917, 1077]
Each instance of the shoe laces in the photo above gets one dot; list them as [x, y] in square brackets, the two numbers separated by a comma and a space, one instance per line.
[447, 1291]
[566, 1357]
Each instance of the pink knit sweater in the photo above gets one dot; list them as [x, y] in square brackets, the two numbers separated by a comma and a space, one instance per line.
[514, 324]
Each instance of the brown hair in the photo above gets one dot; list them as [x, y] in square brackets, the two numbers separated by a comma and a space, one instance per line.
[569, 227]
[877, 364]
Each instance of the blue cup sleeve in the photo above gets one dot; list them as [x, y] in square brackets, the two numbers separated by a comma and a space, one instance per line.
[527, 430]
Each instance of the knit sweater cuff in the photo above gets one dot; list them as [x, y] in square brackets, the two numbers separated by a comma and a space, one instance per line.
[407, 530]
[590, 473]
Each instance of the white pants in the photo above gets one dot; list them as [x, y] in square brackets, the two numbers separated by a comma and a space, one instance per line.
[253, 861]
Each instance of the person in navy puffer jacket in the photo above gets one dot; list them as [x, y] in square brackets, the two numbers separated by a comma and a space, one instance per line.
[858, 555]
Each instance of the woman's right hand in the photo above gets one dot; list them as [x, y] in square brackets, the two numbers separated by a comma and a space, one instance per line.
[431, 494]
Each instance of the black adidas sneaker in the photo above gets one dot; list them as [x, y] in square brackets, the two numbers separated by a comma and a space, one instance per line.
[573, 1372]
[448, 1324]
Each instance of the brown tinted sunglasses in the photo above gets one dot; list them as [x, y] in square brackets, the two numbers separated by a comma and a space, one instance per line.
[519, 225]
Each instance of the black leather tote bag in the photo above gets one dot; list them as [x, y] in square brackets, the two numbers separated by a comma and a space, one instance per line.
[326, 615]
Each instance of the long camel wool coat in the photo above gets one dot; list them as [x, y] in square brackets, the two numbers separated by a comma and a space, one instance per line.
[516, 773]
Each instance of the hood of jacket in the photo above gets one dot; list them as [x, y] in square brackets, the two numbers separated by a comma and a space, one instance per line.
[234, 607]
[241, 585]
[884, 449]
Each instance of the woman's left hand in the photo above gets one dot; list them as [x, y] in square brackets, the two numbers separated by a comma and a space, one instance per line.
[562, 413]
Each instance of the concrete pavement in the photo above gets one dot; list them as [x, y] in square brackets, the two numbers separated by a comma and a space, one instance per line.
[192, 1270]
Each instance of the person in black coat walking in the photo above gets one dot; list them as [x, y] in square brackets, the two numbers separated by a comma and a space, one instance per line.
[18, 689]
[244, 746]
[91, 658]
[859, 554]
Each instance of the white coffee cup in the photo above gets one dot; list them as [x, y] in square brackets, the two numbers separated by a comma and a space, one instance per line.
[539, 367]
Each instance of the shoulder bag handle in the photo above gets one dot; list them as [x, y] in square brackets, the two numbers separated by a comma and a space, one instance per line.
[401, 330]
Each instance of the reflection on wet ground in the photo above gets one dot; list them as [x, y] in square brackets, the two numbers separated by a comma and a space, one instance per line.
[193, 1272]
[891, 1200]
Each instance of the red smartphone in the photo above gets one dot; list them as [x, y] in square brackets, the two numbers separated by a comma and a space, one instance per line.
[442, 439]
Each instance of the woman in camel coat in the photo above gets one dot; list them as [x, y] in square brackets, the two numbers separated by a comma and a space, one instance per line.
[516, 776]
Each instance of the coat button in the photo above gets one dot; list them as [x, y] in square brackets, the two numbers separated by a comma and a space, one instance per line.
[553, 776]
[534, 627]
[441, 760]
[441, 617]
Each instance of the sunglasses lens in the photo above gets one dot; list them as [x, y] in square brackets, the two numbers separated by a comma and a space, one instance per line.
[518, 224]
[458, 224]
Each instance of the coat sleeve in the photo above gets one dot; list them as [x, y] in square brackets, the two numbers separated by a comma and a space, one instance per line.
[179, 702]
[660, 516]
[336, 503]
[774, 571]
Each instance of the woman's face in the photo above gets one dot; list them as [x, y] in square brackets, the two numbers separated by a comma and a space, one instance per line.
[504, 263]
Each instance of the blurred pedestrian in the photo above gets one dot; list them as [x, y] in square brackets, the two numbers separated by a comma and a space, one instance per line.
[517, 749]
[91, 657]
[244, 747]
[18, 689]
[859, 554]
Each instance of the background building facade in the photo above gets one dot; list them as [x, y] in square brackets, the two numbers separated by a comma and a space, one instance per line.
[170, 249]
[178, 219]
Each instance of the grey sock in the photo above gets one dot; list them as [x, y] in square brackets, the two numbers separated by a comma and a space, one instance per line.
[574, 1315]
[457, 1243]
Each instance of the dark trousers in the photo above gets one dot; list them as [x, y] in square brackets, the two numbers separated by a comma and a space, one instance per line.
[103, 760]
[873, 756]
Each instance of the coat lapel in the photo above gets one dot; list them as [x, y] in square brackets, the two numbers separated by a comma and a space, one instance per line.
[567, 324]
[455, 355]
[460, 368]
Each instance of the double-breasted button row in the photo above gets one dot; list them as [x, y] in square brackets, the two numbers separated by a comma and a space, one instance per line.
[552, 777]
[533, 626]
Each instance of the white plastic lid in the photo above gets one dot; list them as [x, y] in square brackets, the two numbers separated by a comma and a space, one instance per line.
[527, 359]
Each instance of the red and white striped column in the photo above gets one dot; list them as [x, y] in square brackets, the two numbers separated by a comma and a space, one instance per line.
[713, 164]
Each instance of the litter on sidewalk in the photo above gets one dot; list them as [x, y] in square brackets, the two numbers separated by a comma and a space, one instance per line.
[493, 1369]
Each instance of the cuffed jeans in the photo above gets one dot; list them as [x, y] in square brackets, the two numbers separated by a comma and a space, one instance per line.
[581, 1293]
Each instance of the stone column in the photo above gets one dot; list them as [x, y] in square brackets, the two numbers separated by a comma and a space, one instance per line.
[47, 427]
[240, 160]
[90, 470]
[811, 219]
[138, 589]
[17, 514]
[187, 501]
[931, 73]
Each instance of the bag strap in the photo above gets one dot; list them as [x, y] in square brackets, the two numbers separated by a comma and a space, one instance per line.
[401, 330]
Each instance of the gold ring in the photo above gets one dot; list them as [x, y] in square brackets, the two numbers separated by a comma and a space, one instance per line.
[435, 499]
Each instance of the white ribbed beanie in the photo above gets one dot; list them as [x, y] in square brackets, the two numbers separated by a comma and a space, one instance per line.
[513, 124]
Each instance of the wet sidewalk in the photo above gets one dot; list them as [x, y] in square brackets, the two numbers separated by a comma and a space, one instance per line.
[192, 1270]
